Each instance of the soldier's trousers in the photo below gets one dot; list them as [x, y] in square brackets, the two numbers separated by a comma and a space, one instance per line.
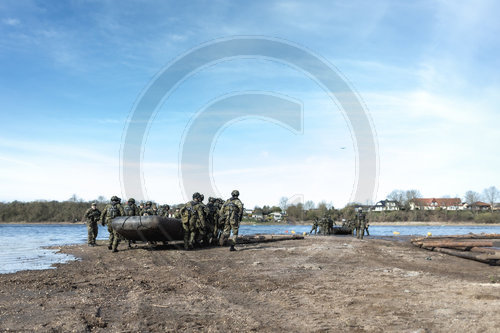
[230, 225]
[189, 233]
[91, 232]
[116, 239]
[111, 234]
[200, 232]
[360, 230]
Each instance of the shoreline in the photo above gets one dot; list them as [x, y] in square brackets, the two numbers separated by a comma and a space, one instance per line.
[307, 285]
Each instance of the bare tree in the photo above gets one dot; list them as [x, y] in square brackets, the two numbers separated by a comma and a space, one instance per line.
[308, 205]
[412, 194]
[491, 195]
[322, 208]
[398, 196]
[283, 204]
[471, 197]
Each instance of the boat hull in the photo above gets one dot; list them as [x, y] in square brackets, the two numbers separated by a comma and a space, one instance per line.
[148, 228]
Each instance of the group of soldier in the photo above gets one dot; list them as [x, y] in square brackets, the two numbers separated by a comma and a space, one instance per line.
[213, 223]
[203, 225]
[356, 227]
[325, 225]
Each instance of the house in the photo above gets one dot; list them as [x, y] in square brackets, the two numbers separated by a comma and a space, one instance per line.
[496, 206]
[258, 216]
[479, 205]
[248, 212]
[436, 203]
[385, 205]
[276, 216]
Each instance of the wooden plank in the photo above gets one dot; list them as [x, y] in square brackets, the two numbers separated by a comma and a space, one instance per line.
[265, 238]
[462, 243]
[468, 236]
[484, 250]
[468, 255]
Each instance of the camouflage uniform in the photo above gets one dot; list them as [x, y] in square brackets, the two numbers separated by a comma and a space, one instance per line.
[219, 219]
[315, 226]
[232, 212]
[131, 209]
[201, 225]
[177, 213]
[190, 214]
[211, 220]
[164, 210]
[360, 224]
[148, 209]
[112, 210]
[92, 216]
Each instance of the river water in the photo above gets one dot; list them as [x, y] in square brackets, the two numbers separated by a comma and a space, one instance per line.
[25, 246]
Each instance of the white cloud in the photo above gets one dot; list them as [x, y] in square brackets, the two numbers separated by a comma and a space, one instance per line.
[11, 21]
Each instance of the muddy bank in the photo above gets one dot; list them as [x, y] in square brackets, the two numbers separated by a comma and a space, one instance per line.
[315, 284]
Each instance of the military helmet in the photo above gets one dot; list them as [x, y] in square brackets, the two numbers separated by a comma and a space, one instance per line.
[211, 199]
[167, 207]
[202, 197]
[148, 203]
[235, 193]
[114, 198]
[94, 203]
[131, 200]
[196, 195]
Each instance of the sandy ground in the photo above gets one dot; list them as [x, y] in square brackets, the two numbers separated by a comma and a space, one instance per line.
[319, 284]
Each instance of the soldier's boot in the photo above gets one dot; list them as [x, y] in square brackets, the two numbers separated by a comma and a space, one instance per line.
[232, 248]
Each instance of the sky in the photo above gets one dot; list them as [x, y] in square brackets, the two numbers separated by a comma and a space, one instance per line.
[72, 74]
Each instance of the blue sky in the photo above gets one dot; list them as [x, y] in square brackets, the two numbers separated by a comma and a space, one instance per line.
[72, 71]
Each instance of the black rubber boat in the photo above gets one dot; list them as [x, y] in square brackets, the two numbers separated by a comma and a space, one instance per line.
[148, 228]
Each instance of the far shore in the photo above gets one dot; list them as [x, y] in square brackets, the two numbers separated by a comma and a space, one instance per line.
[406, 223]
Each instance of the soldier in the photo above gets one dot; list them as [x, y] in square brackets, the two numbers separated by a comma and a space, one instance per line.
[201, 226]
[232, 212]
[360, 224]
[131, 209]
[323, 225]
[163, 211]
[148, 209]
[315, 226]
[177, 213]
[190, 214]
[219, 222]
[92, 216]
[211, 218]
[112, 210]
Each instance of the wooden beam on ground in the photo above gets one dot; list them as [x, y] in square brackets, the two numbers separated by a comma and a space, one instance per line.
[485, 258]
[265, 238]
[461, 243]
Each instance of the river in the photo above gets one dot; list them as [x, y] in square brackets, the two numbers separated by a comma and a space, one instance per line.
[26, 246]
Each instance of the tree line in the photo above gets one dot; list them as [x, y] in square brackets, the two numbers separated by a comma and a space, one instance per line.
[43, 211]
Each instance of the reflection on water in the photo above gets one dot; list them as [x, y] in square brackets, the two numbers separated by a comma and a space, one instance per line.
[23, 246]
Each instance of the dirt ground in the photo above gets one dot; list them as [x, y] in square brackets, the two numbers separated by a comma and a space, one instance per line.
[319, 284]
